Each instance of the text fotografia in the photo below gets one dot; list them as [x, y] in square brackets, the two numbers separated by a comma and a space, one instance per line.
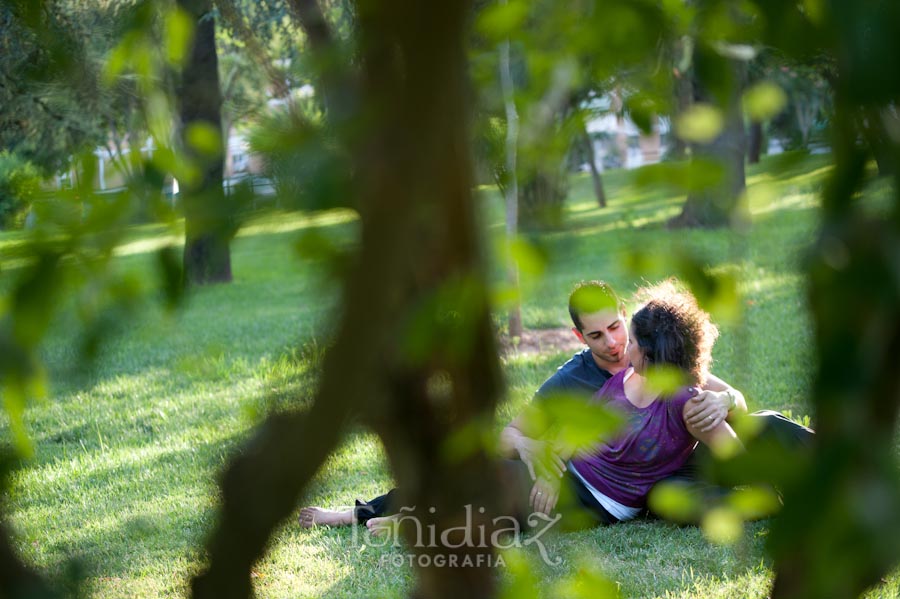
[440, 560]
[503, 532]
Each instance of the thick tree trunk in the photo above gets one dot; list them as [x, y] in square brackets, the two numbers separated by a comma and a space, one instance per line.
[711, 207]
[837, 535]
[596, 179]
[208, 229]
[754, 146]
[17, 580]
[418, 261]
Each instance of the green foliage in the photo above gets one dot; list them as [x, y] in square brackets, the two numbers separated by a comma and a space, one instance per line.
[19, 186]
[303, 158]
[48, 101]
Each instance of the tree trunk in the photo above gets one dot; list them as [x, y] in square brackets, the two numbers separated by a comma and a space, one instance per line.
[588, 146]
[417, 261]
[878, 141]
[512, 186]
[543, 197]
[208, 222]
[684, 97]
[18, 580]
[837, 535]
[754, 147]
[621, 141]
[711, 207]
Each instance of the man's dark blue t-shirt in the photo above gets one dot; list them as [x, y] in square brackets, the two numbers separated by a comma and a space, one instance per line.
[580, 375]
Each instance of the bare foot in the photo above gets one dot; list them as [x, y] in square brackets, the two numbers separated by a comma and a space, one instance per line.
[311, 516]
[380, 526]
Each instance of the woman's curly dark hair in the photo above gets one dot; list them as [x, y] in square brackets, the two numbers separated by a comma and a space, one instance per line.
[670, 328]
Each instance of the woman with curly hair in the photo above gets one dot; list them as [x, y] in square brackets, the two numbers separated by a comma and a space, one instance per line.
[610, 481]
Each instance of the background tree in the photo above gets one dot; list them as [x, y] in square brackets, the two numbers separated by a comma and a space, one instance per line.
[208, 220]
[511, 190]
[47, 99]
[585, 143]
[718, 81]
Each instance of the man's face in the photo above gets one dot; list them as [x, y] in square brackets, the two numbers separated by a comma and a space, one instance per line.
[606, 334]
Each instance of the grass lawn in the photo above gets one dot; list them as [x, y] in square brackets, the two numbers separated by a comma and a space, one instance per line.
[121, 491]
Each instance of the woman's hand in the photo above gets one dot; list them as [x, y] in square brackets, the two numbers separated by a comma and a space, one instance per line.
[544, 495]
[706, 410]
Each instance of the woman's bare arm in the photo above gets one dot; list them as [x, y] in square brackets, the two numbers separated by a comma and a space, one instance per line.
[721, 438]
[716, 401]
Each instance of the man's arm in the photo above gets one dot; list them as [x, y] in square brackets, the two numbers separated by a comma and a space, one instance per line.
[716, 402]
[516, 444]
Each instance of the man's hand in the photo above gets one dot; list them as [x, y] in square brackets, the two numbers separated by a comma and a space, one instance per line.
[540, 458]
[706, 410]
[544, 495]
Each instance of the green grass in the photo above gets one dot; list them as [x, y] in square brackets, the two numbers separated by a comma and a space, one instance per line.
[122, 489]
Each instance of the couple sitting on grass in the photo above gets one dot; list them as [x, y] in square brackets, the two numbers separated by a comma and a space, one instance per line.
[610, 481]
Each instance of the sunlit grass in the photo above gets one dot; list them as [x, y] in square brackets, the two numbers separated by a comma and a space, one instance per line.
[128, 447]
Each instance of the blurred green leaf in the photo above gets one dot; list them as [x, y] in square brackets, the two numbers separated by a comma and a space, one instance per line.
[528, 257]
[644, 264]
[476, 436]
[674, 501]
[178, 32]
[642, 108]
[697, 175]
[716, 292]
[505, 296]
[118, 59]
[725, 447]
[761, 197]
[764, 101]
[754, 502]
[701, 123]
[143, 61]
[577, 423]
[665, 379]
[159, 115]
[500, 21]
[590, 299]
[183, 169]
[815, 10]
[204, 138]
[722, 526]
[745, 427]
[587, 582]
[34, 298]
[521, 580]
